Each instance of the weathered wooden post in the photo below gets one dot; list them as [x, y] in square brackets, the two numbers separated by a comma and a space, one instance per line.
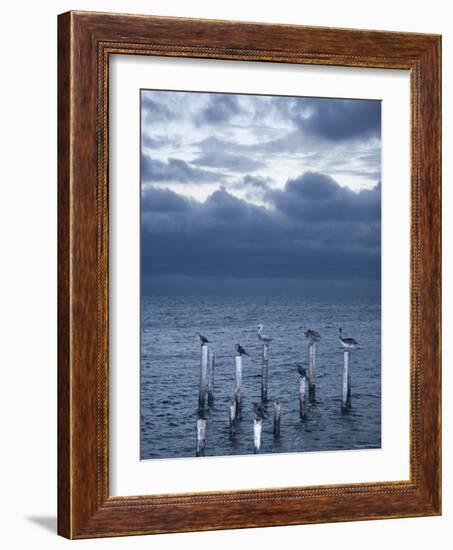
[264, 371]
[303, 394]
[201, 436]
[210, 382]
[311, 371]
[277, 418]
[232, 416]
[257, 425]
[346, 393]
[203, 376]
[237, 391]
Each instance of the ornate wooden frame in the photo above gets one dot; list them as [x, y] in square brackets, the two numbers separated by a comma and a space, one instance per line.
[85, 41]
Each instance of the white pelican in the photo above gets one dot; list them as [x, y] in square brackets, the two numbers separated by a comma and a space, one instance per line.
[261, 336]
[348, 343]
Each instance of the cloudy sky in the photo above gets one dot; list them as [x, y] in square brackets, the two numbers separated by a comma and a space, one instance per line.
[260, 194]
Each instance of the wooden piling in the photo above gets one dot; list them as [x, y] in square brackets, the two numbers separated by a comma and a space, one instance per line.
[201, 437]
[303, 396]
[203, 376]
[257, 425]
[232, 416]
[346, 388]
[264, 371]
[210, 382]
[311, 371]
[237, 391]
[277, 418]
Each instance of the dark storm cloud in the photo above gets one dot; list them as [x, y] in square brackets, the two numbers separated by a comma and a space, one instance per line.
[175, 170]
[338, 119]
[164, 200]
[220, 109]
[329, 121]
[316, 197]
[229, 237]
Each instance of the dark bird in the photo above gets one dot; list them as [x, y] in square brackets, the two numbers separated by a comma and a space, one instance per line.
[348, 343]
[260, 410]
[203, 339]
[240, 350]
[312, 335]
[261, 336]
[302, 371]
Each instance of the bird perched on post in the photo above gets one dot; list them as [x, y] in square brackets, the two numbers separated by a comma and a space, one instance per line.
[240, 350]
[302, 371]
[348, 343]
[261, 336]
[260, 410]
[203, 339]
[312, 336]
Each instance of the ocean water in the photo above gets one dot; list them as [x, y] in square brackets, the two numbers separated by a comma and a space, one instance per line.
[170, 367]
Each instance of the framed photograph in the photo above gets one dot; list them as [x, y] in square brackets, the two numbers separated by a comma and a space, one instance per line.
[249, 275]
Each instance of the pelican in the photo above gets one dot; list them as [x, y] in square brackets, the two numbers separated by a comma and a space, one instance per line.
[203, 339]
[302, 371]
[260, 410]
[240, 350]
[348, 343]
[261, 336]
[312, 335]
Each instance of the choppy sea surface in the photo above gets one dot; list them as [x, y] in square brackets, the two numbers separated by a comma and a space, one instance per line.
[170, 370]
